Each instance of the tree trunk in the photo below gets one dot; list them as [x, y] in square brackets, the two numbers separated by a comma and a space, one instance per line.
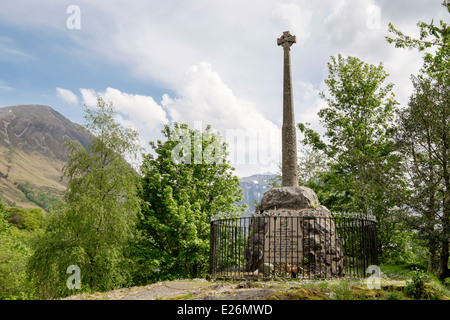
[444, 271]
[443, 261]
[432, 258]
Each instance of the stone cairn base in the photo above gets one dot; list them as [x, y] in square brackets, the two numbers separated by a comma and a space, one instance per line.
[318, 250]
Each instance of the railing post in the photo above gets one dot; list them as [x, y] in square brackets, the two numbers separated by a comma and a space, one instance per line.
[355, 241]
[211, 247]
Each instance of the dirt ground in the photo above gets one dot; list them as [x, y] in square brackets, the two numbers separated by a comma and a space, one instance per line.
[201, 289]
[185, 289]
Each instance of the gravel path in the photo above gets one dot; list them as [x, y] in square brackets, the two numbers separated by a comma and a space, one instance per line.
[181, 289]
[201, 289]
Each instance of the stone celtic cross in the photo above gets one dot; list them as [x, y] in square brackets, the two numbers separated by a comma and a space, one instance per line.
[289, 174]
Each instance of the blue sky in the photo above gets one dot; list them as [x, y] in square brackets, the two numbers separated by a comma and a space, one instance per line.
[199, 62]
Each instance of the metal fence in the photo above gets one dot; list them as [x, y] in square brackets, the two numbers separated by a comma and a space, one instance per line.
[289, 245]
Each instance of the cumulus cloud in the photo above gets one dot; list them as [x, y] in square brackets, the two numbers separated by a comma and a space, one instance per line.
[204, 99]
[308, 101]
[295, 17]
[67, 96]
[154, 43]
[356, 25]
[359, 29]
[140, 112]
[89, 97]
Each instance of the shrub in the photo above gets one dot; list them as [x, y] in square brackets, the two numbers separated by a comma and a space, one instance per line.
[25, 219]
[420, 287]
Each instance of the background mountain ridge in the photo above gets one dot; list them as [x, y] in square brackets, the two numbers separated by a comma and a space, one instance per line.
[32, 155]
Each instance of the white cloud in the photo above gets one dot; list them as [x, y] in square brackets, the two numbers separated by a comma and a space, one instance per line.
[89, 97]
[295, 17]
[140, 112]
[355, 24]
[359, 28]
[204, 99]
[155, 42]
[67, 96]
[308, 104]
[6, 88]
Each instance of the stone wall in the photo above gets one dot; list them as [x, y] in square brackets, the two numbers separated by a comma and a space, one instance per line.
[286, 239]
[311, 248]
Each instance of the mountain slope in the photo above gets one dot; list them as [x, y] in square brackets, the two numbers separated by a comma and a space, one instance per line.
[32, 156]
[32, 153]
[253, 188]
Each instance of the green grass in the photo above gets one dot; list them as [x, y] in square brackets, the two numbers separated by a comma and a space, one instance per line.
[396, 272]
[396, 282]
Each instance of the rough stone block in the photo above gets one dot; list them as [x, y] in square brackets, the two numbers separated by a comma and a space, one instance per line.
[289, 198]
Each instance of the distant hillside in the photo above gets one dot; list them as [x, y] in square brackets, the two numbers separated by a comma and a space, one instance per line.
[253, 188]
[32, 153]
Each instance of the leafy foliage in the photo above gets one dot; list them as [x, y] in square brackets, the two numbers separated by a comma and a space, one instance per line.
[184, 184]
[440, 35]
[121, 228]
[15, 250]
[94, 227]
[422, 287]
[424, 140]
[30, 219]
[362, 166]
[44, 200]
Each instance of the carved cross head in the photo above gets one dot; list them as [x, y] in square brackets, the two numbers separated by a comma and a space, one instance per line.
[286, 40]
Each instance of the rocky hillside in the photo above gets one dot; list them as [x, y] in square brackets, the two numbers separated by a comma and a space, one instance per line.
[38, 130]
[254, 187]
[32, 153]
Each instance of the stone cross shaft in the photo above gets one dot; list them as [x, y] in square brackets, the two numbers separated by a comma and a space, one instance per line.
[289, 174]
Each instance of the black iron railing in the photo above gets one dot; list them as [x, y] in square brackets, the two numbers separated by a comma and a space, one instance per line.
[286, 244]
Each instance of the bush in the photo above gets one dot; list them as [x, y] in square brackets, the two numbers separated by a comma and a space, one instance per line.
[14, 252]
[420, 287]
[343, 291]
[25, 219]
[446, 282]
[42, 199]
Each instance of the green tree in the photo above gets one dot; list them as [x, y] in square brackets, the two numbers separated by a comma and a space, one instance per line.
[94, 227]
[440, 36]
[42, 199]
[14, 252]
[425, 137]
[312, 168]
[311, 164]
[25, 219]
[362, 164]
[185, 182]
